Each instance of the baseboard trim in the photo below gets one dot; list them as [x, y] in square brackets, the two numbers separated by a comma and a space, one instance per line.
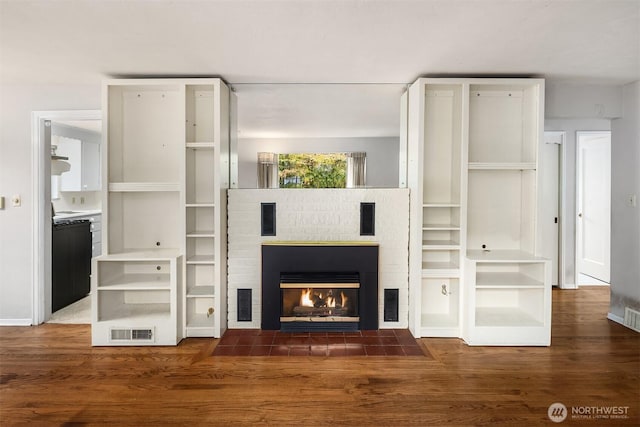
[16, 322]
[616, 318]
[569, 286]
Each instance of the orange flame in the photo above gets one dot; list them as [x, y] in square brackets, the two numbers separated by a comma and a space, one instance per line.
[305, 299]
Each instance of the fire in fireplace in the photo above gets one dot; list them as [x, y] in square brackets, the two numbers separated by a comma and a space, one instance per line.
[317, 301]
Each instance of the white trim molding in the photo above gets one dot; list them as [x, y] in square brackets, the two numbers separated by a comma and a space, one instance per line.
[616, 318]
[15, 322]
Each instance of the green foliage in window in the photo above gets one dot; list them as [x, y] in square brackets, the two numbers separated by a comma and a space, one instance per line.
[312, 170]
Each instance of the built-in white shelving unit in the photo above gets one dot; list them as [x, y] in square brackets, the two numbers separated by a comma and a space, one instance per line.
[436, 180]
[207, 178]
[473, 161]
[165, 163]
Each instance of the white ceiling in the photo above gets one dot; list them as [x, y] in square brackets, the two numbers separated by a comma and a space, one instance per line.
[316, 41]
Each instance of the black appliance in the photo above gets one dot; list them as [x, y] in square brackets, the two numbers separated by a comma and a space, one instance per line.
[71, 262]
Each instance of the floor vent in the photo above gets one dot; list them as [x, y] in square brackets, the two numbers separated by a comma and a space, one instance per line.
[632, 319]
[129, 334]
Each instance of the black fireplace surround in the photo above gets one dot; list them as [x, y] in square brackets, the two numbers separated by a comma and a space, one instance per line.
[282, 259]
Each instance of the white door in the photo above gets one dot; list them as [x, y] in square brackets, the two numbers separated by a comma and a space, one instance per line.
[549, 170]
[594, 204]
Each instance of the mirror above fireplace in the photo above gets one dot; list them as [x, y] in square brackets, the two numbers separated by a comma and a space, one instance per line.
[320, 118]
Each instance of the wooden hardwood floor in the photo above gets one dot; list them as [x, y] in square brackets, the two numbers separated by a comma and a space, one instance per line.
[50, 375]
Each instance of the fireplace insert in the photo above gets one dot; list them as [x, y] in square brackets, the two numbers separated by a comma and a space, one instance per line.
[319, 297]
[319, 287]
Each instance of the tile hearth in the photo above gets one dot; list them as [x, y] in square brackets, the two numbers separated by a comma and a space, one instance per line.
[255, 342]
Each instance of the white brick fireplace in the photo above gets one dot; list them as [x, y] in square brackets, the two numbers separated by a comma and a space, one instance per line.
[317, 215]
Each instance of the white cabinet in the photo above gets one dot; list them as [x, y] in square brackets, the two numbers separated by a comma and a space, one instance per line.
[165, 162]
[473, 159]
[509, 298]
[84, 157]
[95, 222]
[134, 298]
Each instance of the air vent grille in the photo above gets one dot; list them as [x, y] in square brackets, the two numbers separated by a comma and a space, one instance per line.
[120, 334]
[141, 334]
[632, 319]
[130, 334]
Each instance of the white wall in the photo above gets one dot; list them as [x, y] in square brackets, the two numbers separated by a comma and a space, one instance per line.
[625, 219]
[318, 215]
[566, 100]
[382, 156]
[16, 223]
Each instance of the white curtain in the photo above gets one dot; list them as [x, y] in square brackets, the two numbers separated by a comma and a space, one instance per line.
[356, 170]
[268, 170]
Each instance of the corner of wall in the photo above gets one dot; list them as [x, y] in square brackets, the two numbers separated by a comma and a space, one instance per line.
[625, 218]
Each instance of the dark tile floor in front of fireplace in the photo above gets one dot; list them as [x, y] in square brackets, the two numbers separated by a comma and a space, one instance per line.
[255, 342]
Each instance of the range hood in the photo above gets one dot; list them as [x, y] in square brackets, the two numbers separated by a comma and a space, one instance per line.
[58, 163]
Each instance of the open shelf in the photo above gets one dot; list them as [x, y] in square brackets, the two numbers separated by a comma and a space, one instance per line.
[441, 265]
[440, 244]
[201, 233]
[440, 302]
[502, 166]
[504, 316]
[503, 256]
[200, 176]
[136, 281]
[144, 221]
[201, 145]
[200, 313]
[143, 186]
[144, 135]
[506, 280]
[200, 113]
[152, 313]
[201, 259]
[440, 227]
[200, 291]
[503, 124]
[436, 321]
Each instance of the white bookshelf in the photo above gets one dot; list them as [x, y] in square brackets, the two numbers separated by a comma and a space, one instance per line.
[473, 160]
[165, 166]
[436, 179]
[206, 142]
[508, 286]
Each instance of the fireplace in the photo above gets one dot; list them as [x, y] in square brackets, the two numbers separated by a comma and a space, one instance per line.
[319, 297]
[319, 287]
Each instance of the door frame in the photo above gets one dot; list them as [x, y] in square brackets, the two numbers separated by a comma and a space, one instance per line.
[41, 213]
[562, 185]
[577, 200]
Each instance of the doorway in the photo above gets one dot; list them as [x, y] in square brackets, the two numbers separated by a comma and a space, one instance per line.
[41, 167]
[593, 207]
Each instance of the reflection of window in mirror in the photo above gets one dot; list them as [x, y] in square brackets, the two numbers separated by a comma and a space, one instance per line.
[322, 170]
[312, 170]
